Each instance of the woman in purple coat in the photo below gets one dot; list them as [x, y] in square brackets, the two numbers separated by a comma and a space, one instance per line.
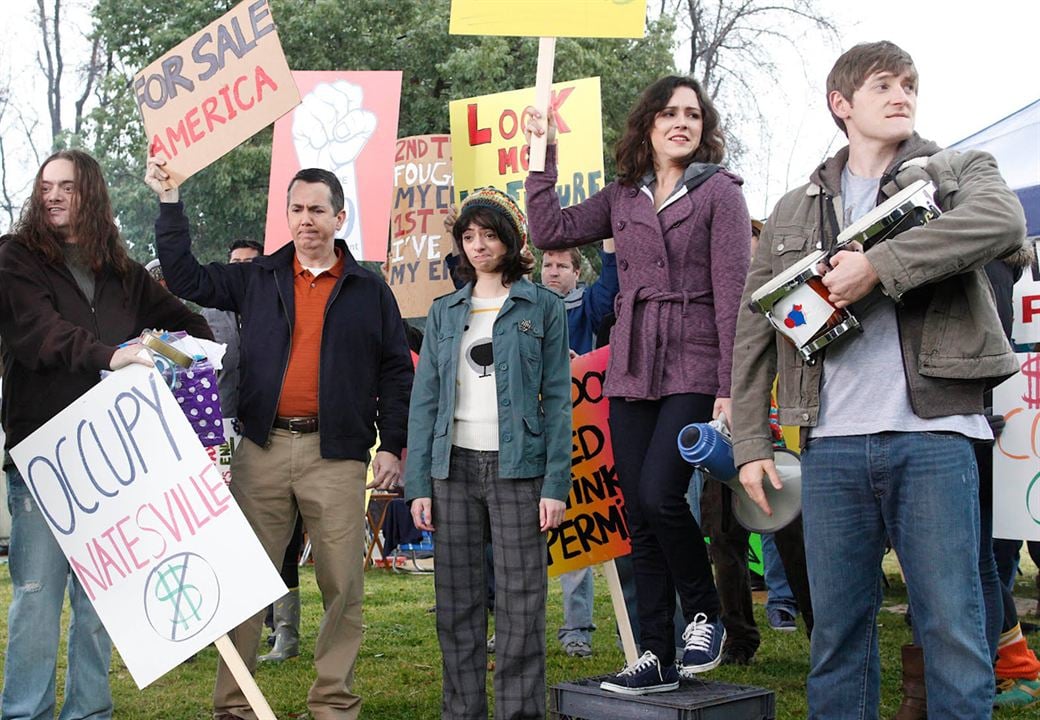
[683, 242]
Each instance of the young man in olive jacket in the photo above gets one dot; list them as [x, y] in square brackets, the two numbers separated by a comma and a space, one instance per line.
[888, 416]
[69, 296]
[323, 363]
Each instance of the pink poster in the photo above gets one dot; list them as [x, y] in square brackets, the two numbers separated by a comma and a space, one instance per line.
[347, 124]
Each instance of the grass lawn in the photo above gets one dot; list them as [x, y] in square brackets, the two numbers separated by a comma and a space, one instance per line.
[398, 673]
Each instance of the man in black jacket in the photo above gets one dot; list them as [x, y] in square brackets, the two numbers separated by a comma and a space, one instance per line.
[69, 296]
[323, 362]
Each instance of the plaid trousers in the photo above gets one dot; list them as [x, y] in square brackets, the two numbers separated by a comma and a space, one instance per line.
[470, 507]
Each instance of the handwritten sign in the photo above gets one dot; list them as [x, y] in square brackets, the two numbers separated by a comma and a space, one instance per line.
[488, 147]
[1026, 299]
[594, 529]
[346, 124]
[1016, 454]
[416, 270]
[146, 522]
[215, 90]
[549, 18]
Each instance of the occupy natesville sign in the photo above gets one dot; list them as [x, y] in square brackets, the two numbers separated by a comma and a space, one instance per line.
[146, 521]
[215, 90]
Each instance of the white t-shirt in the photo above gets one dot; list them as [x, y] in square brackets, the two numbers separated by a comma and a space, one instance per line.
[476, 399]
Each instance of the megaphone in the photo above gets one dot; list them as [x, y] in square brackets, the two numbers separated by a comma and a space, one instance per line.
[708, 448]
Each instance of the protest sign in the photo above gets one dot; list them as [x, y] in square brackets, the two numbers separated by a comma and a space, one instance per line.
[415, 262]
[215, 90]
[346, 124]
[488, 148]
[146, 521]
[1026, 303]
[221, 454]
[594, 528]
[540, 18]
[1016, 454]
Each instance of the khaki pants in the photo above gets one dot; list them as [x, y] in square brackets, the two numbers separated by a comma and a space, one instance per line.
[269, 485]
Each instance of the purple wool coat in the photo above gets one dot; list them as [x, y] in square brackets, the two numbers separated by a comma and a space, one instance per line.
[681, 271]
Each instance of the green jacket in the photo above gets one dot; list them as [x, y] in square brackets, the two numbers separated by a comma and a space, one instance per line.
[533, 381]
[953, 345]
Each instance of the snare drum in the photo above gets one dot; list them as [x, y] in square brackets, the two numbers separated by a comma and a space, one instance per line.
[911, 207]
[795, 302]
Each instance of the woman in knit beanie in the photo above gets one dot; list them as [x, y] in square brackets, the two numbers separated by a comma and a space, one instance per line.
[489, 458]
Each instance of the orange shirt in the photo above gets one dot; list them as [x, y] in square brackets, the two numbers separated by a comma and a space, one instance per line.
[299, 396]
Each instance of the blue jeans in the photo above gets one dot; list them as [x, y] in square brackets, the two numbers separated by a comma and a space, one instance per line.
[39, 577]
[921, 491]
[577, 606]
[779, 594]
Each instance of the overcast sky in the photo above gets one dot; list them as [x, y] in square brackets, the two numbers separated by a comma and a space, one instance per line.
[978, 63]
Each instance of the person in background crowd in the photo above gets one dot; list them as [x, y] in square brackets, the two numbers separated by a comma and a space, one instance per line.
[681, 228]
[69, 296]
[490, 457]
[586, 307]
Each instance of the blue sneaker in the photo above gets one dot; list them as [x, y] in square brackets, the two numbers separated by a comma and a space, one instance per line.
[781, 619]
[703, 646]
[642, 677]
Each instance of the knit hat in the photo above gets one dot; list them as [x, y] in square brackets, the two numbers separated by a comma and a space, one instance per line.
[494, 199]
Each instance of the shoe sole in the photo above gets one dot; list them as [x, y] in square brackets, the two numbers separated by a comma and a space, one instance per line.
[688, 671]
[624, 690]
[784, 629]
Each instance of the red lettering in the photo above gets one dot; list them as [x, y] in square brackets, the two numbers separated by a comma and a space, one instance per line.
[1030, 307]
[263, 79]
[193, 121]
[477, 136]
[511, 116]
[172, 135]
[129, 543]
[209, 111]
[556, 103]
[225, 93]
[84, 575]
[507, 160]
[157, 147]
[238, 98]
[440, 142]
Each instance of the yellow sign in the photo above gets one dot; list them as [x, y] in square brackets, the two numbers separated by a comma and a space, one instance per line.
[488, 146]
[549, 18]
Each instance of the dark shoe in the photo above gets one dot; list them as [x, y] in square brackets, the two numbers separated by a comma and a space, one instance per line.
[781, 619]
[915, 705]
[642, 677]
[737, 656]
[286, 628]
[704, 642]
[577, 648]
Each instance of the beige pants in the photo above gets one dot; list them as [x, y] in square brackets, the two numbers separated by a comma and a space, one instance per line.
[269, 485]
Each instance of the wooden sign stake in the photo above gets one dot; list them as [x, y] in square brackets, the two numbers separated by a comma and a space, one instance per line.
[245, 681]
[628, 641]
[542, 97]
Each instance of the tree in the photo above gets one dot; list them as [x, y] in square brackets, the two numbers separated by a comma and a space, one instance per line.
[735, 50]
[229, 198]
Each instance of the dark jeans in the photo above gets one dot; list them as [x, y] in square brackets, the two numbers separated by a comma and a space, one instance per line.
[668, 552]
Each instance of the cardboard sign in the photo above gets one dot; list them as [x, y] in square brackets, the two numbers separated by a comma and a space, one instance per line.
[1016, 454]
[415, 266]
[488, 147]
[347, 124]
[215, 90]
[1026, 300]
[594, 529]
[549, 18]
[146, 521]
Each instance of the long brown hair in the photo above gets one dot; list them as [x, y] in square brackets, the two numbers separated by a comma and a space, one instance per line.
[92, 223]
[635, 155]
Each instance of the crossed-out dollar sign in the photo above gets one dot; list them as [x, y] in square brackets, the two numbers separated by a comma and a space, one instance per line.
[186, 599]
[1031, 371]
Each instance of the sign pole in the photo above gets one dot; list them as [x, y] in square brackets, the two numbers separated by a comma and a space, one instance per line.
[628, 641]
[542, 97]
[245, 681]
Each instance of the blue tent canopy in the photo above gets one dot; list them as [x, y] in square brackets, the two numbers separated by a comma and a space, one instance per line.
[1015, 143]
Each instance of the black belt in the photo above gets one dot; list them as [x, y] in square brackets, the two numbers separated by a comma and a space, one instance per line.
[297, 424]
